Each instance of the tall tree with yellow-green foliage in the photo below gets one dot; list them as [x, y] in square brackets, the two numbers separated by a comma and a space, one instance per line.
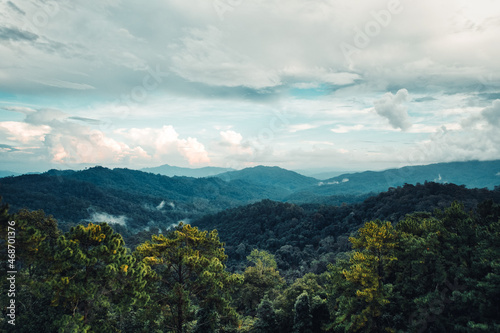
[95, 279]
[190, 274]
[363, 295]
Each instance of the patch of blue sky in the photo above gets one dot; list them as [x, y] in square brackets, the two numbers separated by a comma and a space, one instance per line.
[311, 92]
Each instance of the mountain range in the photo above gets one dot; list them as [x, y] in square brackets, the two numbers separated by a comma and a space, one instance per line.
[6, 173]
[171, 171]
[473, 174]
[140, 200]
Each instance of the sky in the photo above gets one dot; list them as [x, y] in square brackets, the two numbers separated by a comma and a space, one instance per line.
[301, 84]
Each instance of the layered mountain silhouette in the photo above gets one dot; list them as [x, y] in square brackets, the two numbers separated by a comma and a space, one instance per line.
[140, 199]
[171, 171]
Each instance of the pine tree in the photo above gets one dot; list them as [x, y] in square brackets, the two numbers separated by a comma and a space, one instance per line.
[190, 270]
[364, 294]
[94, 276]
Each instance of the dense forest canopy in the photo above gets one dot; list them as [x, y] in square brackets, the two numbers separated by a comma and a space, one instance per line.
[305, 238]
[269, 267]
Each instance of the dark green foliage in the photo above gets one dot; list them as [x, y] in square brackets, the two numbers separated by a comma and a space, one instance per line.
[35, 235]
[287, 180]
[313, 285]
[302, 320]
[444, 277]
[92, 270]
[207, 321]
[434, 271]
[123, 192]
[307, 238]
[82, 281]
[320, 313]
[266, 318]
[259, 280]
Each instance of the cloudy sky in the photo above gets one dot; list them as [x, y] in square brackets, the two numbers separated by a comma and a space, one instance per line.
[338, 84]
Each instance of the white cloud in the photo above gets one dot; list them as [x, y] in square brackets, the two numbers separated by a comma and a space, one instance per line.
[233, 73]
[300, 127]
[194, 151]
[295, 42]
[161, 205]
[204, 56]
[108, 218]
[89, 146]
[328, 183]
[393, 109]
[24, 133]
[488, 117]
[422, 128]
[316, 75]
[233, 147]
[325, 143]
[346, 129]
[334, 182]
[65, 84]
[165, 141]
[455, 145]
[305, 85]
[231, 137]
[492, 113]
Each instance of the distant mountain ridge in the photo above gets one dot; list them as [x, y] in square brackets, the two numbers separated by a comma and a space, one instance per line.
[6, 173]
[270, 176]
[472, 174]
[144, 199]
[171, 171]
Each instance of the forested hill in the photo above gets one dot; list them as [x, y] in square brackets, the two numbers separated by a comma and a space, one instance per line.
[305, 238]
[130, 197]
[271, 176]
[141, 200]
[473, 174]
[297, 188]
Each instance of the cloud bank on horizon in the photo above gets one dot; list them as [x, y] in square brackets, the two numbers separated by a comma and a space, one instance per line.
[299, 84]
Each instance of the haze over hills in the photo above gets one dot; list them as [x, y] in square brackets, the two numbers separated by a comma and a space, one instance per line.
[171, 171]
[6, 173]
